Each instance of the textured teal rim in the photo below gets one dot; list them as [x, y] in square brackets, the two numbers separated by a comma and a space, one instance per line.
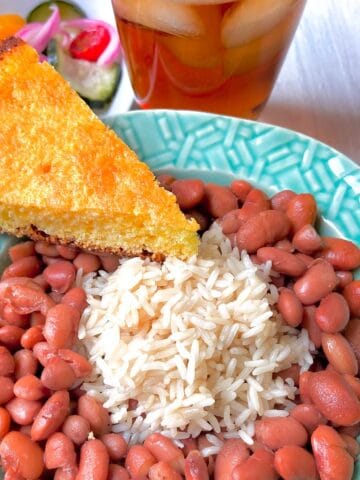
[272, 157]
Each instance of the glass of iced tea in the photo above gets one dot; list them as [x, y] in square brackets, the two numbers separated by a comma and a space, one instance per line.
[213, 55]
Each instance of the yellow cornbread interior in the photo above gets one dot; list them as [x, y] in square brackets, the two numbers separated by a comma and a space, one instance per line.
[66, 175]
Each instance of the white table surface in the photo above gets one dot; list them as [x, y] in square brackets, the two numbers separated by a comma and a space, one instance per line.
[318, 90]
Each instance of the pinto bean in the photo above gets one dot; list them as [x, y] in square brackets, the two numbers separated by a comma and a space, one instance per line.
[37, 319]
[43, 352]
[87, 262]
[17, 281]
[232, 453]
[163, 471]
[240, 188]
[61, 326]
[51, 416]
[81, 366]
[58, 375]
[27, 299]
[290, 307]
[280, 200]
[352, 295]
[22, 455]
[353, 430]
[354, 383]
[50, 260]
[45, 248]
[166, 180]
[256, 201]
[218, 200]
[231, 221]
[76, 297]
[334, 398]
[333, 313]
[304, 258]
[308, 415]
[189, 445]
[276, 432]
[21, 250]
[200, 217]
[318, 281]
[23, 411]
[7, 363]
[40, 280]
[77, 428]
[341, 253]
[301, 211]
[60, 276]
[95, 414]
[67, 252]
[352, 334]
[331, 457]
[116, 445]
[259, 465]
[116, 472]
[352, 445]
[29, 387]
[188, 192]
[282, 261]
[6, 389]
[31, 337]
[195, 466]
[294, 463]
[10, 317]
[285, 245]
[339, 353]
[264, 228]
[25, 363]
[311, 326]
[94, 461]
[164, 450]
[66, 473]
[59, 451]
[343, 278]
[23, 267]
[10, 336]
[5, 421]
[307, 240]
[139, 461]
[109, 262]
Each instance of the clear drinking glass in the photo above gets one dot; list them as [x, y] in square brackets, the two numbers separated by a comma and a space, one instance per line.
[213, 55]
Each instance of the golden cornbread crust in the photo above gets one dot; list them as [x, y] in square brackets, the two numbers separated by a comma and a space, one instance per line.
[67, 177]
[32, 232]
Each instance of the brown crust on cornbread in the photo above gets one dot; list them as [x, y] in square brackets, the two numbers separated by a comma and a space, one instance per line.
[35, 234]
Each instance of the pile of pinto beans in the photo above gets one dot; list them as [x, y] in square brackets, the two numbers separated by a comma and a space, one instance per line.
[49, 427]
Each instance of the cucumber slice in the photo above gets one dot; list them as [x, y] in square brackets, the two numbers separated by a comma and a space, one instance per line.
[95, 83]
[42, 12]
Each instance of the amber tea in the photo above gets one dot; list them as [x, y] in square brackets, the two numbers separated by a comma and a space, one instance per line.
[212, 55]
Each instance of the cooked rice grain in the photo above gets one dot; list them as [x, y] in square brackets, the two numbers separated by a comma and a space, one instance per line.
[196, 343]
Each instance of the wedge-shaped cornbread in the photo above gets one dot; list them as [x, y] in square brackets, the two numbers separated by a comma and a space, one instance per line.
[66, 177]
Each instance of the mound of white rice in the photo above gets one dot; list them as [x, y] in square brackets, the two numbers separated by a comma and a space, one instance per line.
[196, 343]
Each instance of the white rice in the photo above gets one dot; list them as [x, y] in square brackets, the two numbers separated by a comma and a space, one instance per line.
[196, 343]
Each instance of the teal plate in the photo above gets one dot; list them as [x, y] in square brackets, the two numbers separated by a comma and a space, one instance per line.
[219, 149]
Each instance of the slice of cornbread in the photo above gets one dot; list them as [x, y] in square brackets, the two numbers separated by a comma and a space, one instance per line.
[66, 177]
